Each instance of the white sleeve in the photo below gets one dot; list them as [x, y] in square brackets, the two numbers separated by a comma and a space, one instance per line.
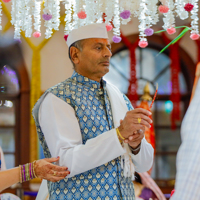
[62, 134]
[143, 161]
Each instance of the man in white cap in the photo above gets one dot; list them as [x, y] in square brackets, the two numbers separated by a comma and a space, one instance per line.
[80, 120]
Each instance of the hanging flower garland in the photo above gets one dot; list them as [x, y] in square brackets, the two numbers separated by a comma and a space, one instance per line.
[135, 7]
[143, 24]
[47, 16]
[153, 11]
[152, 17]
[89, 6]
[37, 18]
[194, 24]
[169, 19]
[68, 18]
[108, 9]
[125, 13]
[0, 15]
[56, 15]
[13, 12]
[181, 12]
[116, 23]
[75, 17]
[27, 18]
[17, 25]
[81, 14]
[99, 11]
[114, 12]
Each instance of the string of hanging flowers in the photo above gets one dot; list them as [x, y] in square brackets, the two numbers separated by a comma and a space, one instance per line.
[0, 15]
[26, 16]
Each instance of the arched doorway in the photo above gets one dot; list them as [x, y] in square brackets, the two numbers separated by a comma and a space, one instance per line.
[14, 109]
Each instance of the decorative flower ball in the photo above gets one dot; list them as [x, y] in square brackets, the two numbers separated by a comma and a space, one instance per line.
[116, 39]
[163, 9]
[172, 192]
[149, 31]
[65, 37]
[82, 15]
[18, 40]
[125, 14]
[171, 31]
[143, 44]
[188, 7]
[36, 34]
[6, 1]
[47, 16]
[194, 36]
[109, 27]
[184, 15]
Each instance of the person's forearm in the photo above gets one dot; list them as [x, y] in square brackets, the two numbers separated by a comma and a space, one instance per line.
[9, 177]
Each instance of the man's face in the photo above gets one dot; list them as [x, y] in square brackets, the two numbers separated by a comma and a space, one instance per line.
[94, 59]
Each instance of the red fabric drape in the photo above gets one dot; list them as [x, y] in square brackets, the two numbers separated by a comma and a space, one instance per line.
[174, 69]
[132, 89]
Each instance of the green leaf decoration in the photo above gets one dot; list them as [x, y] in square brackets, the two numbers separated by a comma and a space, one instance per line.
[160, 31]
[185, 30]
[174, 27]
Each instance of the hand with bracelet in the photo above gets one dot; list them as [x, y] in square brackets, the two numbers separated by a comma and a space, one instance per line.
[43, 169]
[132, 127]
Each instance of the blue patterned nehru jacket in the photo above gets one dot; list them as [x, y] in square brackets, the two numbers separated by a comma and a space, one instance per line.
[93, 111]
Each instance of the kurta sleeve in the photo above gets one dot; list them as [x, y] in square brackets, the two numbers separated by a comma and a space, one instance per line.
[63, 136]
[143, 161]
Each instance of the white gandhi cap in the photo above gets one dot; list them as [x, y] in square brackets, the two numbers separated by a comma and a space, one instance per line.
[88, 31]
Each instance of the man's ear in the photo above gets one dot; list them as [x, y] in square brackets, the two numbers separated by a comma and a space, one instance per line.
[74, 53]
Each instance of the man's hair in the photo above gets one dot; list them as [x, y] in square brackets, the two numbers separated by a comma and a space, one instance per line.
[79, 45]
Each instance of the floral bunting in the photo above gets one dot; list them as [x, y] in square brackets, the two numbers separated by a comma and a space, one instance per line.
[26, 16]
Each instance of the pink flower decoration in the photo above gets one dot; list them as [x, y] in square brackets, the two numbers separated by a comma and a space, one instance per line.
[172, 192]
[36, 34]
[125, 14]
[171, 31]
[18, 41]
[65, 37]
[82, 15]
[143, 44]
[109, 27]
[163, 9]
[148, 31]
[194, 36]
[47, 16]
[188, 7]
[116, 39]
[6, 1]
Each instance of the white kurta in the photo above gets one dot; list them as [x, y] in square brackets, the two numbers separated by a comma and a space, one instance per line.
[63, 137]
